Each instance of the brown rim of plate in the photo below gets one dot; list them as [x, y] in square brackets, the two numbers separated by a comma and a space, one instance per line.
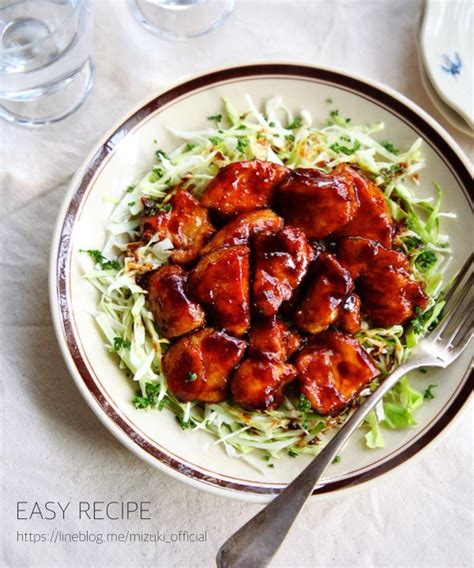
[318, 75]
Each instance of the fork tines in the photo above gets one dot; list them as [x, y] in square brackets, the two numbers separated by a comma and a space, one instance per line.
[456, 324]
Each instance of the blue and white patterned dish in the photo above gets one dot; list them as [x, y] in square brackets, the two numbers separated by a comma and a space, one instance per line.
[447, 53]
[446, 110]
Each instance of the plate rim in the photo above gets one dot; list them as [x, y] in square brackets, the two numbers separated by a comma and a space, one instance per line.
[106, 145]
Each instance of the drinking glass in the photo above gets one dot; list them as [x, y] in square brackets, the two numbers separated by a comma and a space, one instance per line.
[181, 19]
[46, 66]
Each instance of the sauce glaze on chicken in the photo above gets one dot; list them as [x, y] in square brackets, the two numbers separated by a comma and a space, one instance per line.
[271, 272]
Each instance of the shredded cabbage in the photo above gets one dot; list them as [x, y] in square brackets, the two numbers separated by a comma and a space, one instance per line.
[272, 134]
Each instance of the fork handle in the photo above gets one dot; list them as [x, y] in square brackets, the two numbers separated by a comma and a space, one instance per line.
[255, 544]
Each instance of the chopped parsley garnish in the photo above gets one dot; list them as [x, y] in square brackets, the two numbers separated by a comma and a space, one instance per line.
[99, 258]
[337, 119]
[120, 343]
[271, 124]
[337, 459]
[150, 399]
[394, 169]
[152, 207]
[130, 188]
[140, 401]
[329, 101]
[426, 260]
[161, 154]
[422, 370]
[215, 140]
[216, 117]
[191, 377]
[413, 243]
[157, 171]
[266, 458]
[292, 453]
[336, 147]
[295, 124]
[290, 137]
[419, 322]
[428, 394]
[131, 203]
[241, 127]
[303, 404]
[95, 254]
[389, 174]
[189, 147]
[390, 147]
[422, 318]
[270, 465]
[242, 143]
[152, 390]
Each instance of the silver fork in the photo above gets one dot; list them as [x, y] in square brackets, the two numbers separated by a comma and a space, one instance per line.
[254, 545]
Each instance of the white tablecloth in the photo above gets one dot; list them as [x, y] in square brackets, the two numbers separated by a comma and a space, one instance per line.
[54, 449]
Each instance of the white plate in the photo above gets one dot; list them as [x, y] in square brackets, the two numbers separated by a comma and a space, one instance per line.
[447, 49]
[124, 155]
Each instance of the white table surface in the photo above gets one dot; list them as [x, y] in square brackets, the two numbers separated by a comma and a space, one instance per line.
[54, 448]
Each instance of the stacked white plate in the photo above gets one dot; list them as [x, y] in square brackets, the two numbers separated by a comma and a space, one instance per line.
[446, 48]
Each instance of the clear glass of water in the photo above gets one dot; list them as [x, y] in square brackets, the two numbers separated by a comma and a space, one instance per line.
[181, 19]
[46, 66]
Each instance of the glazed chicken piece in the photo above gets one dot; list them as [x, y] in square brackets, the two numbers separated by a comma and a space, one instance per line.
[332, 371]
[274, 339]
[220, 282]
[198, 366]
[389, 296]
[281, 262]
[350, 319]
[323, 303]
[243, 186]
[171, 303]
[259, 382]
[187, 225]
[316, 202]
[242, 228]
[373, 219]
